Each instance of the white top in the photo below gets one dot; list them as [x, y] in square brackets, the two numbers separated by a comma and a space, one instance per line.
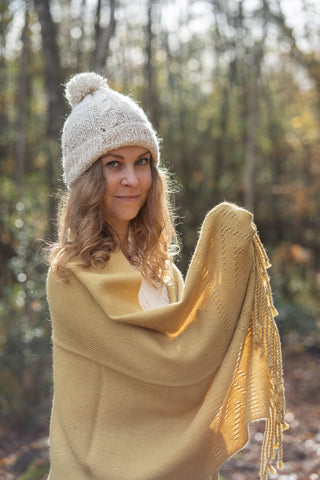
[151, 296]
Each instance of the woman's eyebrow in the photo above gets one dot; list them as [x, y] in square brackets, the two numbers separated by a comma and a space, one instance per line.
[110, 154]
[145, 153]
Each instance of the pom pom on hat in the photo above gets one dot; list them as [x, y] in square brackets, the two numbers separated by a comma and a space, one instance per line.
[101, 120]
[82, 85]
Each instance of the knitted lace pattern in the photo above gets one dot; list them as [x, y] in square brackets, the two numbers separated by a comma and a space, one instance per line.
[167, 393]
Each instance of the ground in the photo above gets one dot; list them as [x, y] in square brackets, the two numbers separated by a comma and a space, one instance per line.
[26, 458]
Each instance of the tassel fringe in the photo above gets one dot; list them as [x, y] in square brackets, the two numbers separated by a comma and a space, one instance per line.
[266, 336]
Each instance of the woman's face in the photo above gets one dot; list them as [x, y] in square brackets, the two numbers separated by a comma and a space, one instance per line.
[128, 179]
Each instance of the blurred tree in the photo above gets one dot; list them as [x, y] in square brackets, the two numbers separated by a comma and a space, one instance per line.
[150, 102]
[6, 17]
[56, 108]
[22, 106]
[103, 36]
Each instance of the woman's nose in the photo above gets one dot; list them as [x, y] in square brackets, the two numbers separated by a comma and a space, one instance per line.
[129, 177]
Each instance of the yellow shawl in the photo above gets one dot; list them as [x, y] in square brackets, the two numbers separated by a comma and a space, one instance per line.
[166, 394]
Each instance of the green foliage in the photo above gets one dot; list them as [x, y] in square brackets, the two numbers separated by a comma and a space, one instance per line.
[24, 330]
[296, 290]
[35, 471]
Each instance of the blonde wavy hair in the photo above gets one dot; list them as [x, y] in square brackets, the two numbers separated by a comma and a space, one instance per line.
[86, 239]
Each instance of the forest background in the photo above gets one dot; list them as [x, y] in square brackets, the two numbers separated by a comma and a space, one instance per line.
[233, 88]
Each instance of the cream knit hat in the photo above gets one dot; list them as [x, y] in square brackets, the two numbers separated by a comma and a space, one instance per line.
[101, 120]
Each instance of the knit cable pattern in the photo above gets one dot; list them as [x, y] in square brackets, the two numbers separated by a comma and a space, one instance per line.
[101, 120]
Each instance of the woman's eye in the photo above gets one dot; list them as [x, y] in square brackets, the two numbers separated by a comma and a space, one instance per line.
[143, 161]
[112, 164]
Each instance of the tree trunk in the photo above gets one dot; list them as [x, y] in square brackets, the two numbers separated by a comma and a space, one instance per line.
[22, 109]
[52, 68]
[250, 144]
[56, 109]
[253, 97]
[149, 92]
[103, 37]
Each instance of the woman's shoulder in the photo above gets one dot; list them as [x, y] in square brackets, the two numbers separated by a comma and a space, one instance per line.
[58, 281]
[58, 278]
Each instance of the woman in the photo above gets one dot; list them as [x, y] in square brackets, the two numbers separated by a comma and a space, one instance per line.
[153, 379]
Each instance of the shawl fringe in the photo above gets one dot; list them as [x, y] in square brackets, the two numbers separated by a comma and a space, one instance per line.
[266, 337]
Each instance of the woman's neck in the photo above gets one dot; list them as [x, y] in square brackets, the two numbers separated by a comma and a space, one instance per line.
[122, 237]
[124, 245]
[121, 231]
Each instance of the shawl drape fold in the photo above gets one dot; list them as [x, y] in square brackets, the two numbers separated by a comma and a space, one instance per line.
[167, 394]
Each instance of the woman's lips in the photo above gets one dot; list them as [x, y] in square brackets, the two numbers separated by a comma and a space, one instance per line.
[128, 198]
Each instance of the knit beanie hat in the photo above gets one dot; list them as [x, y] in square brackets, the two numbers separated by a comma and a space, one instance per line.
[101, 120]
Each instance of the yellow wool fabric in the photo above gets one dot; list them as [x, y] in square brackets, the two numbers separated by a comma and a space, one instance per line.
[166, 394]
